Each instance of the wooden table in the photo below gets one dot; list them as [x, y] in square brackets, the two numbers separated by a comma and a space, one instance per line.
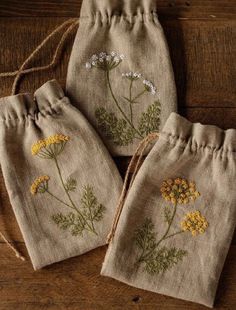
[202, 40]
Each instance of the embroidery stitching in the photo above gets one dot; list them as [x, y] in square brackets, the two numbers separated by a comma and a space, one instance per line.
[122, 131]
[156, 258]
[81, 219]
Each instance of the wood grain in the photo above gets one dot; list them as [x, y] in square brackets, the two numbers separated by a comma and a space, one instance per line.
[76, 284]
[29, 33]
[203, 55]
[203, 50]
[167, 8]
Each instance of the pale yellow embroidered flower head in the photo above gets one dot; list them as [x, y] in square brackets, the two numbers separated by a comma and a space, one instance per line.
[50, 147]
[179, 191]
[40, 185]
[195, 223]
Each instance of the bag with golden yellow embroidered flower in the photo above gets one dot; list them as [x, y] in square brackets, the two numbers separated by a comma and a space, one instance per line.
[61, 180]
[120, 73]
[174, 231]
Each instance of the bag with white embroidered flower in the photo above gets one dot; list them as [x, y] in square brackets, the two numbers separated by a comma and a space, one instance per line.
[60, 178]
[172, 233]
[120, 73]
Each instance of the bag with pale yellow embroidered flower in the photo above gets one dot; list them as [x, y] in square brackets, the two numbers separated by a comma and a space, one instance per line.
[120, 73]
[174, 230]
[61, 180]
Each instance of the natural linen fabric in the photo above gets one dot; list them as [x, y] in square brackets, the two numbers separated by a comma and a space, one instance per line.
[61, 180]
[179, 216]
[120, 73]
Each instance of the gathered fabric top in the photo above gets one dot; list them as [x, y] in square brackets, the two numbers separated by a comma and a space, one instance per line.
[44, 101]
[205, 137]
[124, 8]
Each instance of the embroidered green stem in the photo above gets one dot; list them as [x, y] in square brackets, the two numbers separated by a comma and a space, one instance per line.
[130, 101]
[118, 106]
[169, 226]
[63, 184]
[172, 235]
[139, 95]
[58, 199]
[71, 207]
[90, 228]
[90, 211]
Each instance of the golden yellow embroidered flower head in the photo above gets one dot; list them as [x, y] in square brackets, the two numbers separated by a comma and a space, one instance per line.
[40, 185]
[50, 147]
[179, 191]
[195, 223]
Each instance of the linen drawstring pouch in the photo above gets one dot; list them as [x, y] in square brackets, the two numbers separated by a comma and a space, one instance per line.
[61, 180]
[178, 218]
[120, 73]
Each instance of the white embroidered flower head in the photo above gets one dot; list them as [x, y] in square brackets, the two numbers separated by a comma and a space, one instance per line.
[132, 76]
[102, 55]
[108, 58]
[105, 61]
[94, 57]
[88, 65]
[150, 87]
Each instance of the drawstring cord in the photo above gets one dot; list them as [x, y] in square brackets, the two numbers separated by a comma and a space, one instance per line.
[22, 71]
[17, 253]
[134, 163]
[36, 51]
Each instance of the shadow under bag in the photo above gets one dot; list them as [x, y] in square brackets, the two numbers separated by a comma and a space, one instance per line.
[178, 219]
[120, 73]
[61, 180]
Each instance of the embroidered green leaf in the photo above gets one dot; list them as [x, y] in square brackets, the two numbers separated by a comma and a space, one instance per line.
[115, 129]
[64, 221]
[71, 185]
[163, 259]
[167, 215]
[71, 221]
[150, 120]
[145, 238]
[92, 210]
[78, 228]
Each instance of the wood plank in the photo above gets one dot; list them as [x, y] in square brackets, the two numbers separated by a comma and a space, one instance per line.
[76, 284]
[29, 33]
[166, 8]
[224, 118]
[203, 55]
